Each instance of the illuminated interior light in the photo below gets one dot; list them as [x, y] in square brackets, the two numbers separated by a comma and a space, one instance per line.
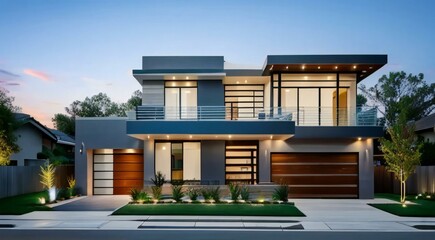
[173, 78]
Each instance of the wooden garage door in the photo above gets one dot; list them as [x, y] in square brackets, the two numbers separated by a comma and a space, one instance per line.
[317, 175]
[127, 173]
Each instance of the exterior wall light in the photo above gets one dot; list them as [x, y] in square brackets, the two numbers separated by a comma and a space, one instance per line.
[82, 148]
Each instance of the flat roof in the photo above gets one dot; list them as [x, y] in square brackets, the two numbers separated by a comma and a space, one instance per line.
[362, 64]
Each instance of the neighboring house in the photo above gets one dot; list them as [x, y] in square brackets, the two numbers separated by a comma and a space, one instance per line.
[293, 121]
[425, 127]
[32, 136]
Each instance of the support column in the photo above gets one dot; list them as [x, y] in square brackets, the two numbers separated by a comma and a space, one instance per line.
[148, 161]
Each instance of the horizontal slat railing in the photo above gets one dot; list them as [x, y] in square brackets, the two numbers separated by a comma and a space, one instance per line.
[302, 116]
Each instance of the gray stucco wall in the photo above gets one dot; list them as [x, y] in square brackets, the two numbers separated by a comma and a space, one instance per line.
[364, 148]
[98, 133]
[213, 161]
[211, 93]
[182, 62]
[30, 141]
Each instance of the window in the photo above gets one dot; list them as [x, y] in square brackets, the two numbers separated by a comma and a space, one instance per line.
[180, 100]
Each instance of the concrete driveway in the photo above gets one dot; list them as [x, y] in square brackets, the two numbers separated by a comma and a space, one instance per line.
[95, 203]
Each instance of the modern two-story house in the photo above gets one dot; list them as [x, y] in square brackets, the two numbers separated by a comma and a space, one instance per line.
[293, 121]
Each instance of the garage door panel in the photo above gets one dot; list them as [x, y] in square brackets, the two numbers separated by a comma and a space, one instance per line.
[128, 167]
[308, 180]
[124, 190]
[314, 169]
[128, 158]
[330, 175]
[127, 183]
[330, 191]
[128, 175]
[313, 158]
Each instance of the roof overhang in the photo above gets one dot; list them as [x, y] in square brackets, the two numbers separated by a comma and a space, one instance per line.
[362, 65]
[142, 75]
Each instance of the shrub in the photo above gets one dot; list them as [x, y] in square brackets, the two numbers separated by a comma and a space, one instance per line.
[47, 175]
[177, 193]
[159, 179]
[281, 193]
[139, 196]
[205, 194]
[244, 193]
[63, 193]
[234, 191]
[157, 192]
[215, 194]
[71, 186]
[177, 182]
[193, 194]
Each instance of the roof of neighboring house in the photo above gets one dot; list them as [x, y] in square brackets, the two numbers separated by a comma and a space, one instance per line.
[426, 123]
[55, 135]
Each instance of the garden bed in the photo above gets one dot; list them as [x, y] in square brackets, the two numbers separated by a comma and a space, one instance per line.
[210, 209]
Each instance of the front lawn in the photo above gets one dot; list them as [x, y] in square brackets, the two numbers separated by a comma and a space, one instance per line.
[286, 210]
[22, 204]
[421, 208]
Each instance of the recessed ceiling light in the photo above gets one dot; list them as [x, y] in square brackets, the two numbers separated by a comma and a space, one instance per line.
[271, 136]
[318, 67]
[336, 67]
[370, 67]
[173, 78]
[190, 136]
[364, 71]
[303, 67]
[187, 77]
[237, 82]
[246, 81]
[167, 136]
[286, 67]
[229, 136]
[148, 136]
[359, 139]
[354, 66]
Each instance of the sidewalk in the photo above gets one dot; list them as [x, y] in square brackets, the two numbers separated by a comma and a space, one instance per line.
[321, 215]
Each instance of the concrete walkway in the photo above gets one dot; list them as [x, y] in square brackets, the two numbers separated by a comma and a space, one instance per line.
[321, 215]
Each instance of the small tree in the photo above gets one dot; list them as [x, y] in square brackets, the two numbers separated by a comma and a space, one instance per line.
[402, 152]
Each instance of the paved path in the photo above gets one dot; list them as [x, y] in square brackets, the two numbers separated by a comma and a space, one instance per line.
[322, 216]
[95, 203]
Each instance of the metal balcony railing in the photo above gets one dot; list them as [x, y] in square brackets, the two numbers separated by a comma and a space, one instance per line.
[302, 116]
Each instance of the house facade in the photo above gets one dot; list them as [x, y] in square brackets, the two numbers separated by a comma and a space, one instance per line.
[33, 137]
[293, 121]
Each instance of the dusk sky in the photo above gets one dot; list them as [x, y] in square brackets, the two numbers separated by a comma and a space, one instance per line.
[54, 52]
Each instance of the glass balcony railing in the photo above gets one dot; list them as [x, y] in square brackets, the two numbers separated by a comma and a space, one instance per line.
[304, 116]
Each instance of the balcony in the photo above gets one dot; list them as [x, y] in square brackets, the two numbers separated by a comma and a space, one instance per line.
[304, 116]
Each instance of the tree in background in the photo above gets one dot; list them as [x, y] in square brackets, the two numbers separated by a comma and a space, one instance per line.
[361, 100]
[8, 124]
[99, 105]
[399, 91]
[401, 151]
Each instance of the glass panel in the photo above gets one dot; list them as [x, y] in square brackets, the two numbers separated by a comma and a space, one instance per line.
[103, 158]
[177, 161]
[289, 97]
[188, 103]
[103, 175]
[172, 103]
[347, 77]
[101, 191]
[163, 159]
[309, 84]
[309, 106]
[327, 103]
[103, 183]
[192, 161]
[103, 167]
[244, 87]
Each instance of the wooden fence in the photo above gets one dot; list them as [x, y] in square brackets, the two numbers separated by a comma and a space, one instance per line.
[423, 180]
[16, 180]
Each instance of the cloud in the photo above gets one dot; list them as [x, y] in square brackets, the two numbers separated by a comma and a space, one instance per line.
[10, 74]
[38, 74]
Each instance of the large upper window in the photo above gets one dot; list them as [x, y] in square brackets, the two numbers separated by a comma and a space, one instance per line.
[180, 100]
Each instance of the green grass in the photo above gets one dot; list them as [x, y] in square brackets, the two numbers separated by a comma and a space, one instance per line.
[22, 204]
[211, 209]
[421, 208]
